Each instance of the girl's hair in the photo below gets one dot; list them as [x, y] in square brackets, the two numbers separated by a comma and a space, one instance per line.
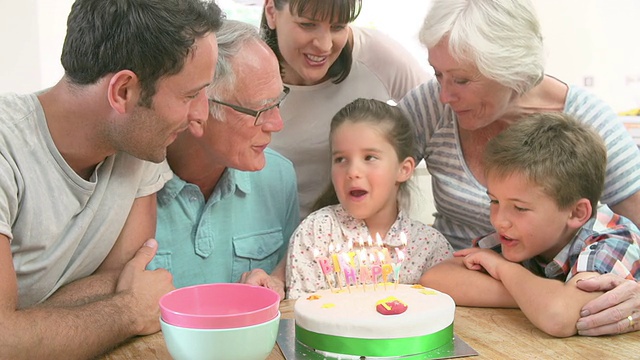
[501, 37]
[396, 129]
[340, 11]
[568, 159]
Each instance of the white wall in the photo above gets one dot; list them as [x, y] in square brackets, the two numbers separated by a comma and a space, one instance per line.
[585, 39]
[31, 37]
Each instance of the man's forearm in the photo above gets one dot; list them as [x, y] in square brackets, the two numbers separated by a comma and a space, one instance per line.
[84, 291]
[54, 332]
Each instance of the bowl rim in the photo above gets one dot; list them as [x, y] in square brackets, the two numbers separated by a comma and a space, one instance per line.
[210, 317]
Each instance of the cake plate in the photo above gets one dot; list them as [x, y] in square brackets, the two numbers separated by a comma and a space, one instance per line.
[293, 350]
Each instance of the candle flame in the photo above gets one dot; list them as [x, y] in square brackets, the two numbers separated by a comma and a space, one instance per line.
[378, 240]
[316, 253]
[403, 239]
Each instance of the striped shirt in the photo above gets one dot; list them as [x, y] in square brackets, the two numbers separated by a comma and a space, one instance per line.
[608, 243]
[461, 201]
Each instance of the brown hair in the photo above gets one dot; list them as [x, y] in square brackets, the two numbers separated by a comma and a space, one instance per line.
[566, 158]
[341, 11]
[395, 126]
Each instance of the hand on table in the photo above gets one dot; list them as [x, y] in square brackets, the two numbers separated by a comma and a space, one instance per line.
[145, 287]
[614, 312]
[260, 278]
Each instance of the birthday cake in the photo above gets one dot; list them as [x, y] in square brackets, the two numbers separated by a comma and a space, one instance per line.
[392, 320]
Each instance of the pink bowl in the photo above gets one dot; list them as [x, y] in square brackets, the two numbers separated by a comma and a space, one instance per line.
[219, 306]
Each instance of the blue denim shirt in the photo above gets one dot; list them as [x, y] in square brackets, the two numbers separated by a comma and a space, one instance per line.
[245, 224]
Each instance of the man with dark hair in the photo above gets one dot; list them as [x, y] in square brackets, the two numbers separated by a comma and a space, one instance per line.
[80, 165]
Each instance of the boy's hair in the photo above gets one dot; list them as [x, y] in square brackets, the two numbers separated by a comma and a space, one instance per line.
[394, 126]
[152, 38]
[340, 11]
[566, 158]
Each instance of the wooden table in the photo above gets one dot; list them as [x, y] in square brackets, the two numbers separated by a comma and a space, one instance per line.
[493, 333]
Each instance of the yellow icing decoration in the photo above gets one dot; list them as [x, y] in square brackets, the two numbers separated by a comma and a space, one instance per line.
[328, 305]
[384, 302]
[428, 292]
[314, 297]
[417, 286]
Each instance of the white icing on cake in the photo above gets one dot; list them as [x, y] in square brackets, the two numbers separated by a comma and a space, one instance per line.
[354, 314]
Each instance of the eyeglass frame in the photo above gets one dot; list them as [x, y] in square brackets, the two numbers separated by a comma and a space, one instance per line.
[255, 113]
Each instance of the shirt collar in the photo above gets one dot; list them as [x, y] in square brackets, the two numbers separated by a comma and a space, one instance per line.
[230, 180]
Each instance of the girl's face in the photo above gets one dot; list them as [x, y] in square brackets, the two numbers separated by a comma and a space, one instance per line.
[365, 171]
[476, 100]
[308, 46]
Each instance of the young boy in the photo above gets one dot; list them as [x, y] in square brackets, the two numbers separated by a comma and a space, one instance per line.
[544, 178]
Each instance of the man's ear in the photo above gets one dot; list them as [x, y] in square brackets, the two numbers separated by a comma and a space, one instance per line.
[123, 92]
[581, 213]
[270, 13]
[406, 169]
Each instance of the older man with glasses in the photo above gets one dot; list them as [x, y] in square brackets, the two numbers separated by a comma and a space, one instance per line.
[232, 203]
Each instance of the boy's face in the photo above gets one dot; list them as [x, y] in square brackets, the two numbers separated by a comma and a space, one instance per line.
[528, 221]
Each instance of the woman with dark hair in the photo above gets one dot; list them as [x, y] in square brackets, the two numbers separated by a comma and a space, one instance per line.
[327, 64]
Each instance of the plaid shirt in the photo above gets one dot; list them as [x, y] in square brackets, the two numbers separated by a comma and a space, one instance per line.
[608, 243]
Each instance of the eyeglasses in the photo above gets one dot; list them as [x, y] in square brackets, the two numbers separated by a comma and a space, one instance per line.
[255, 113]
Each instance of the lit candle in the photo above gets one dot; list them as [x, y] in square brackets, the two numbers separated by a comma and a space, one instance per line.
[387, 270]
[398, 265]
[336, 263]
[364, 270]
[349, 272]
[369, 240]
[376, 270]
[351, 253]
[325, 267]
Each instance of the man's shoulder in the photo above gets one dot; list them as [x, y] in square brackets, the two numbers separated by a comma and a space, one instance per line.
[15, 107]
[277, 162]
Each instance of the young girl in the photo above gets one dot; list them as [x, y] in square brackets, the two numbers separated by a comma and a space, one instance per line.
[327, 63]
[371, 150]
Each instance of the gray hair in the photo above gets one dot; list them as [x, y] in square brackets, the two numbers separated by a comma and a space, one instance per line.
[231, 38]
[501, 37]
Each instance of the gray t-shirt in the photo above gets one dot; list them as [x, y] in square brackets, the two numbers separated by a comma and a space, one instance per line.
[61, 227]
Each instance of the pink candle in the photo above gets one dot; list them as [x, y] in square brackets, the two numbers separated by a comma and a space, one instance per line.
[364, 270]
[349, 272]
[376, 270]
[325, 267]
